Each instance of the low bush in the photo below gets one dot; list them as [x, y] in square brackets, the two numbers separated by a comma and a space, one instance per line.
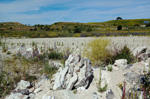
[4, 47]
[123, 53]
[8, 53]
[96, 50]
[55, 55]
[49, 70]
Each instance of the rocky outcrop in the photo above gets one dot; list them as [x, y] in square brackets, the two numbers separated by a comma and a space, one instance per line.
[110, 94]
[24, 90]
[77, 73]
[23, 85]
[142, 53]
[21, 91]
[120, 62]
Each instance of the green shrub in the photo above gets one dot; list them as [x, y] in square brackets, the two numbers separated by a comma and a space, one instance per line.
[109, 68]
[88, 29]
[8, 53]
[0, 42]
[75, 91]
[4, 47]
[102, 89]
[124, 53]
[33, 43]
[34, 59]
[51, 49]
[76, 30]
[55, 55]
[6, 85]
[96, 50]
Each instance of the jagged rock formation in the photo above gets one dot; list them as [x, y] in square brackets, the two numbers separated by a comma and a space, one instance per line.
[142, 53]
[77, 73]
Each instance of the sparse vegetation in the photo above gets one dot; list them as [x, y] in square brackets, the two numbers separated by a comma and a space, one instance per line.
[96, 50]
[4, 47]
[109, 68]
[72, 29]
[101, 89]
[49, 70]
[54, 55]
[123, 53]
[75, 91]
[8, 53]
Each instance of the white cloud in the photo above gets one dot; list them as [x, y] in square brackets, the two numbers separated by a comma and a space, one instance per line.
[94, 10]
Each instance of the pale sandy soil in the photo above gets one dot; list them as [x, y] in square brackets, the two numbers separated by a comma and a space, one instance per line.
[78, 42]
[112, 79]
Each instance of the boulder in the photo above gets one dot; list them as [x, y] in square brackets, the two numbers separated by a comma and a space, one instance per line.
[109, 94]
[130, 77]
[77, 73]
[17, 96]
[60, 79]
[72, 81]
[142, 53]
[139, 51]
[23, 85]
[47, 97]
[120, 62]
[95, 96]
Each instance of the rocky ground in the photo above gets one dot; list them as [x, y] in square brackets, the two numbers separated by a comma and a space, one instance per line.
[77, 42]
[79, 80]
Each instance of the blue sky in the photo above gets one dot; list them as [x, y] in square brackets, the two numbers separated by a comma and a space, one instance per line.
[50, 11]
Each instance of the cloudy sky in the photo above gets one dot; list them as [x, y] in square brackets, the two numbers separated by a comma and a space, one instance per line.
[50, 11]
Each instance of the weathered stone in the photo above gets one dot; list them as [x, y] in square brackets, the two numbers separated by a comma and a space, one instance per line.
[139, 50]
[95, 95]
[77, 73]
[110, 94]
[37, 90]
[57, 84]
[72, 81]
[48, 97]
[32, 96]
[23, 85]
[17, 96]
[81, 89]
[130, 77]
[120, 62]
[60, 79]
[25, 92]
[142, 53]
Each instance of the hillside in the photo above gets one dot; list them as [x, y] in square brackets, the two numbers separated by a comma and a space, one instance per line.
[64, 29]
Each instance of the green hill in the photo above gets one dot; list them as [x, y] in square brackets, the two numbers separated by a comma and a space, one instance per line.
[63, 29]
